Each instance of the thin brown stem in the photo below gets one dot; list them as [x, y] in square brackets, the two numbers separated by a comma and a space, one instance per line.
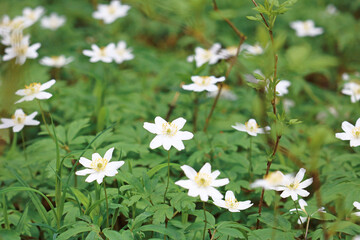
[172, 106]
[205, 221]
[307, 228]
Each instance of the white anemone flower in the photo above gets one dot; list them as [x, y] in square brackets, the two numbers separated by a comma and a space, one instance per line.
[56, 61]
[270, 182]
[202, 183]
[203, 83]
[228, 52]
[203, 56]
[357, 206]
[19, 120]
[226, 93]
[306, 28]
[292, 186]
[122, 53]
[351, 133]
[99, 167]
[303, 204]
[53, 21]
[21, 51]
[251, 127]
[353, 90]
[253, 50]
[35, 90]
[104, 54]
[357, 237]
[5, 25]
[231, 203]
[110, 12]
[32, 15]
[168, 133]
[331, 9]
[281, 87]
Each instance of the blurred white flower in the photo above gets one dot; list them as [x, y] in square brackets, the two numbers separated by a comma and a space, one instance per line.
[231, 203]
[168, 133]
[357, 206]
[99, 167]
[56, 61]
[53, 21]
[353, 90]
[5, 25]
[331, 9]
[110, 12]
[287, 104]
[202, 183]
[122, 53]
[228, 52]
[226, 93]
[252, 79]
[282, 87]
[203, 83]
[357, 237]
[351, 133]
[32, 15]
[251, 127]
[292, 186]
[303, 204]
[35, 90]
[104, 54]
[270, 182]
[306, 28]
[19, 120]
[203, 56]
[21, 50]
[253, 50]
[345, 77]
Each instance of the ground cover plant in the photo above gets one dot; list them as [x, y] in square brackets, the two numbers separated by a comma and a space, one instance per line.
[197, 119]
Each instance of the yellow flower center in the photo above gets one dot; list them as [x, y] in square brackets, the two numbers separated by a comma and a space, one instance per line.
[32, 88]
[19, 118]
[231, 203]
[21, 50]
[203, 81]
[274, 178]
[111, 9]
[307, 26]
[169, 129]
[293, 185]
[207, 54]
[251, 126]
[102, 52]
[203, 179]
[356, 132]
[99, 164]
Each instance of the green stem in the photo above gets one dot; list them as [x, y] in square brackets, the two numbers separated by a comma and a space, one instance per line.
[25, 155]
[107, 206]
[168, 178]
[307, 227]
[44, 120]
[196, 110]
[250, 161]
[205, 221]
[13, 144]
[297, 211]
[6, 219]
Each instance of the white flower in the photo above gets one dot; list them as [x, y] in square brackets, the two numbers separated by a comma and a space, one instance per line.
[19, 120]
[292, 186]
[270, 182]
[331, 9]
[228, 52]
[351, 133]
[121, 53]
[303, 204]
[32, 15]
[357, 206]
[35, 90]
[202, 83]
[287, 104]
[353, 90]
[202, 183]
[109, 13]
[281, 87]
[251, 127]
[56, 61]
[168, 133]
[104, 54]
[15, 37]
[231, 203]
[226, 93]
[5, 25]
[203, 56]
[357, 237]
[253, 50]
[306, 28]
[99, 167]
[345, 77]
[21, 51]
[53, 21]
[252, 79]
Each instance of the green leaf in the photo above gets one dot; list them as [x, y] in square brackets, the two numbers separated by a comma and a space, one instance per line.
[172, 233]
[75, 127]
[20, 225]
[75, 230]
[111, 234]
[154, 170]
[9, 234]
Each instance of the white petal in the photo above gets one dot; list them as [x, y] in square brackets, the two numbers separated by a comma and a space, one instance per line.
[357, 205]
[93, 176]
[151, 127]
[108, 154]
[300, 175]
[189, 171]
[18, 127]
[185, 183]
[115, 165]
[95, 156]
[211, 88]
[220, 182]
[206, 168]
[347, 127]
[306, 183]
[203, 195]
[20, 92]
[43, 95]
[240, 127]
[84, 172]
[47, 85]
[184, 135]
[302, 204]
[214, 193]
[85, 162]
[229, 194]
[178, 144]
[159, 121]
[294, 195]
[156, 142]
[354, 142]
[343, 136]
[215, 174]
[166, 144]
[245, 205]
[285, 193]
[220, 203]
[179, 122]
[301, 192]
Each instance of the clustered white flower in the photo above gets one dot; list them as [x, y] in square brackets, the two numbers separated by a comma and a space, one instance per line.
[109, 53]
[53, 21]
[110, 12]
[56, 61]
[306, 28]
[251, 127]
[351, 133]
[19, 120]
[203, 83]
[353, 90]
